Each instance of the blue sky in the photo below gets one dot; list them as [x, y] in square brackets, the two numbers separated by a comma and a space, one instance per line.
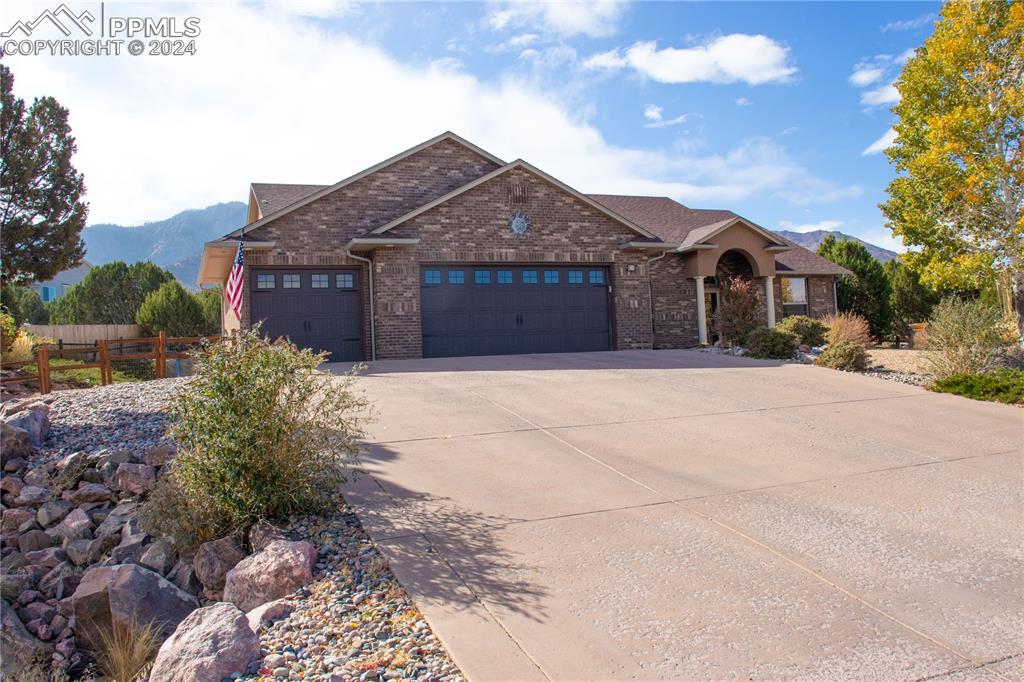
[778, 111]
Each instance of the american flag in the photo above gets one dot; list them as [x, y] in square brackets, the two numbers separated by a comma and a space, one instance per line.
[233, 290]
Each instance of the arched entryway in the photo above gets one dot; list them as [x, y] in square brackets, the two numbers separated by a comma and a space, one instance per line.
[733, 263]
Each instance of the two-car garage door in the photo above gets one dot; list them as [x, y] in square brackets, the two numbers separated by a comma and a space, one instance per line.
[501, 310]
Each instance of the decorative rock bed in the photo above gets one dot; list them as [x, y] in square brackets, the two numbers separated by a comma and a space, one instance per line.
[313, 601]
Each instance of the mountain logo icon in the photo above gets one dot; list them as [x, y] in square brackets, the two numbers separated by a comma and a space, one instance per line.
[62, 18]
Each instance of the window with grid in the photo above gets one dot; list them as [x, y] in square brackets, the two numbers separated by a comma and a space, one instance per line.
[482, 276]
[504, 277]
[318, 280]
[291, 281]
[529, 276]
[597, 276]
[575, 277]
[345, 280]
[265, 281]
[431, 277]
[551, 277]
[456, 277]
[794, 295]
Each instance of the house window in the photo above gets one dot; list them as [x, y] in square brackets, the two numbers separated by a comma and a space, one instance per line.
[265, 281]
[794, 295]
[529, 276]
[456, 277]
[504, 277]
[482, 276]
[551, 277]
[345, 280]
[47, 293]
[575, 277]
[597, 276]
[431, 277]
[291, 281]
[318, 281]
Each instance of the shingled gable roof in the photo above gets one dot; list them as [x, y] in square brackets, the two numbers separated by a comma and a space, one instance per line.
[272, 197]
[518, 163]
[678, 224]
[325, 190]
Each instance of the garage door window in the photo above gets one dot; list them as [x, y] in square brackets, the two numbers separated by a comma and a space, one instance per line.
[265, 281]
[291, 281]
[529, 276]
[575, 277]
[318, 281]
[456, 277]
[482, 276]
[431, 277]
[551, 277]
[345, 280]
[597, 276]
[504, 277]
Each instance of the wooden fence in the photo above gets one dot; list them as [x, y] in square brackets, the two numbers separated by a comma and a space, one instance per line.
[83, 334]
[162, 349]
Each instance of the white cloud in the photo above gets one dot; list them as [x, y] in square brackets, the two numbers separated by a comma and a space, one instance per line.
[665, 123]
[652, 112]
[753, 59]
[887, 94]
[596, 18]
[743, 102]
[320, 9]
[157, 135]
[826, 225]
[864, 75]
[881, 144]
[910, 24]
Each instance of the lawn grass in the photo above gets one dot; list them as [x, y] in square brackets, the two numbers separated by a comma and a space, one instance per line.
[1004, 385]
[78, 377]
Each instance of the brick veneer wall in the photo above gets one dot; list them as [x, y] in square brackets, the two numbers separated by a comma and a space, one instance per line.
[820, 299]
[474, 228]
[675, 304]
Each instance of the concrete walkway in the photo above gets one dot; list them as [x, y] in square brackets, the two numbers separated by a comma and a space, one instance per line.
[679, 515]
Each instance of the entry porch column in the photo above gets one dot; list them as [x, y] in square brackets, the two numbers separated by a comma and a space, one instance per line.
[769, 299]
[702, 321]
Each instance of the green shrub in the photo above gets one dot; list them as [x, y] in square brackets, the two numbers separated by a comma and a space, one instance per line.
[849, 356]
[773, 344]
[263, 434]
[209, 303]
[808, 331]
[848, 327]
[736, 316]
[963, 337]
[8, 333]
[1004, 385]
[172, 310]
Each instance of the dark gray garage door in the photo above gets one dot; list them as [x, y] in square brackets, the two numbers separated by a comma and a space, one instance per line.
[501, 310]
[318, 309]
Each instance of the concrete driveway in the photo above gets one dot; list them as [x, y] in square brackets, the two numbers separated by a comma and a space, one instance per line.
[680, 515]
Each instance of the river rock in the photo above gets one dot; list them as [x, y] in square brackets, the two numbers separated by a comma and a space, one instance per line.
[209, 645]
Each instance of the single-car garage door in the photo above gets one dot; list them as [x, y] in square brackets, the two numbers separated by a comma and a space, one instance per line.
[502, 310]
[318, 309]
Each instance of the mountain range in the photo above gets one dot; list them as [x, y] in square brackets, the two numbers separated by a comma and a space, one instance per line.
[177, 242]
[810, 240]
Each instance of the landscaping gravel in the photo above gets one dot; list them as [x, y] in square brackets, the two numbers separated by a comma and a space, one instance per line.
[126, 416]
[354, 621]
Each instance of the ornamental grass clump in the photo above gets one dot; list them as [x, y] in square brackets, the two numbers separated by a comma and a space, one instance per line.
[262, 433]
[964, 337]
[848, 327]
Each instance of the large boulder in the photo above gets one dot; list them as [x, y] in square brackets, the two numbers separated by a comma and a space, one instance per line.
[21, 651]
[208, 646]
[135, 478]
[269, 613]
[126, 596]
[280, 569]
[34, 422]
[14, 442]
[213, 561]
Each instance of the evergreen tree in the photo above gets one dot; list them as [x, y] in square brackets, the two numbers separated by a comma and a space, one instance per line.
[866, 292]
[109, 294]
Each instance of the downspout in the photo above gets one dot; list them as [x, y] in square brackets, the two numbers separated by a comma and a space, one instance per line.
[373, 319]
[650, 291]
[835, 297]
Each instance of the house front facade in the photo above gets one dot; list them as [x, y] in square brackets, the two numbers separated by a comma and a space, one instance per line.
[447, 250]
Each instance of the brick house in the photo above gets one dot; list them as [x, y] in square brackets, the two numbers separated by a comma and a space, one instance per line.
[446, 250]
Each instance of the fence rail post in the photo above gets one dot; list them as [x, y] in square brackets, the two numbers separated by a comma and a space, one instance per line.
[106, 373]
[43, 368]
[161, 357]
